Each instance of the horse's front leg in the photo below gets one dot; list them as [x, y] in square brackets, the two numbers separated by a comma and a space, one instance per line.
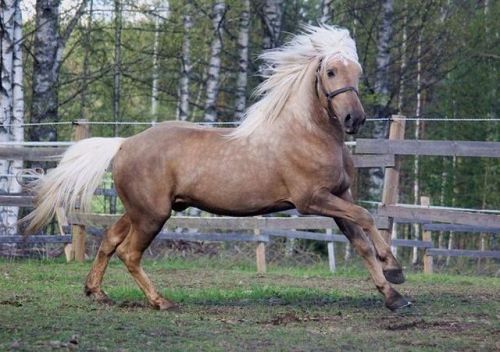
[392, 269]
[326, 204]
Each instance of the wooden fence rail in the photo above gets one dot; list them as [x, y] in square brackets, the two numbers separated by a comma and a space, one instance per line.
[428, 147]
[420, 214]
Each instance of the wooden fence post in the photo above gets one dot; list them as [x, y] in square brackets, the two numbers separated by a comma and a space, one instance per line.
[426, 236]
[331, 253]
[81, 131]
[391, 177]
[260, 254]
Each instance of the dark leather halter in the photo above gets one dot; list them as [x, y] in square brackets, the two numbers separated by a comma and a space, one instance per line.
[330, 95]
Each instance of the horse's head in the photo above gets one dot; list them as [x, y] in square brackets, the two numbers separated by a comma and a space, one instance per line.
[337, 87]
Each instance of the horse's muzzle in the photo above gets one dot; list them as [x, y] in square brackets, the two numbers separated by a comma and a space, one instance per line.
[353, 122]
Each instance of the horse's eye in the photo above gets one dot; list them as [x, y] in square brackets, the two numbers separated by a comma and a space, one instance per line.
[330, 73]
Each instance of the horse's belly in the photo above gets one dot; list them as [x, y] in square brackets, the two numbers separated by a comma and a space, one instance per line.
[242, 210]
[230, 197]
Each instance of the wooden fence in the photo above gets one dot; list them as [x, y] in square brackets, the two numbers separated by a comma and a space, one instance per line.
[369, 153]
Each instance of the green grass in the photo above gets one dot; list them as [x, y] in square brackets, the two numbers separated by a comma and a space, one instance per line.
[226, 306]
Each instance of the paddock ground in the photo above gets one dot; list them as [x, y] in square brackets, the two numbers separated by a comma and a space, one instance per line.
[228, 307]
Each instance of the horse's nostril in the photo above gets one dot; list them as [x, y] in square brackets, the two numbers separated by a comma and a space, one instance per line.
[348, 117]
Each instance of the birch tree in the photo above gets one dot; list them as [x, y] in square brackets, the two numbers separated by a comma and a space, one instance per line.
[213, 81]
[381, 88]
[186, 66]
[161, 10]
[11, 104]
[416, 161]
[326, 12]
[48, 57]
[86, 58]
[241, 82]
[117, 65]
[272, 15]
[154, 81]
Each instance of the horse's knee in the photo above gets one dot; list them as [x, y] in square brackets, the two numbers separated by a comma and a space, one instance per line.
[128, 256]
[364, 247]
[365, 219]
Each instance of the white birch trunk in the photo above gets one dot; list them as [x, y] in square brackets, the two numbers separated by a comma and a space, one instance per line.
[117, 65]
[383, 60]
[401, 93]
[87, 47]
[48, 52]
[12, 106]
[44, 104]
[416, 163]
[241, 82]
[154, 83]
[272, 19]
[213, 82]
[326, 12]
[183, 110]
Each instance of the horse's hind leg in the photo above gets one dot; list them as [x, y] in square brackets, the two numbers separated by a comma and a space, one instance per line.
[130, 251]
[111, 239]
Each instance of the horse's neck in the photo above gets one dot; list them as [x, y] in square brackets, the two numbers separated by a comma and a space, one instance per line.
[305, 109]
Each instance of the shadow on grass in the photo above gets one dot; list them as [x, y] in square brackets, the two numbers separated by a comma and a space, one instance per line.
[262, 297]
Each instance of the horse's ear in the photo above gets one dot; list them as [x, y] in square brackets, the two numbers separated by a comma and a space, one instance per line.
[320, 61]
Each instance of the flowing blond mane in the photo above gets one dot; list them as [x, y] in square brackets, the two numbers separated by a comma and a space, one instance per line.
[286, 67]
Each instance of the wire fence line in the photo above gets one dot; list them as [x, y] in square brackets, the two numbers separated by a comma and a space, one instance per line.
[236, 123]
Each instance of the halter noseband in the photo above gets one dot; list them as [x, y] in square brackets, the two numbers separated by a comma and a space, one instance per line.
[330, 95]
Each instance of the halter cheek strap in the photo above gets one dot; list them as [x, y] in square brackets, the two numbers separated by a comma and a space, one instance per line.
[330, 95]
[336, 92]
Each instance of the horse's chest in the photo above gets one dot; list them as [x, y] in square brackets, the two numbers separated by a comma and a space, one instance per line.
[335, 176]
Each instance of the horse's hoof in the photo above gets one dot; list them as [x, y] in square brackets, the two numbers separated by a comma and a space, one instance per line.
[99, 297]
[397, 302]
[394, 276]
[165, 305]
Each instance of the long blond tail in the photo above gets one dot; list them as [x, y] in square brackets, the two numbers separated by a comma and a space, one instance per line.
[73, 181]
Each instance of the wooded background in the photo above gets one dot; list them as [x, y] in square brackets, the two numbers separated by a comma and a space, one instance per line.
[147, 61]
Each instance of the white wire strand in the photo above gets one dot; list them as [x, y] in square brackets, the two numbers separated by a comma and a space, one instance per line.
[235, 123]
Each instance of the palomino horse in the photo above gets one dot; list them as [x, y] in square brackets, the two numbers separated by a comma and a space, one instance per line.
[288, 153]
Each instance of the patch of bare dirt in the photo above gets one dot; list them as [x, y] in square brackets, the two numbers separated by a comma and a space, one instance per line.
[290, 317]
[445, 325]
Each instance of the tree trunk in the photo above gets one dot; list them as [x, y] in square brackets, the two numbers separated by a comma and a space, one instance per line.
[381, 87]
[401, 93]
[241, 82]
[117, 67]
[183, 111]
[154, 83]
[326, 12]
[212, 87]
[12, 105]
[271, 20]
[86, 47]
[45, 102]
[48, 57]
[416, 162]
